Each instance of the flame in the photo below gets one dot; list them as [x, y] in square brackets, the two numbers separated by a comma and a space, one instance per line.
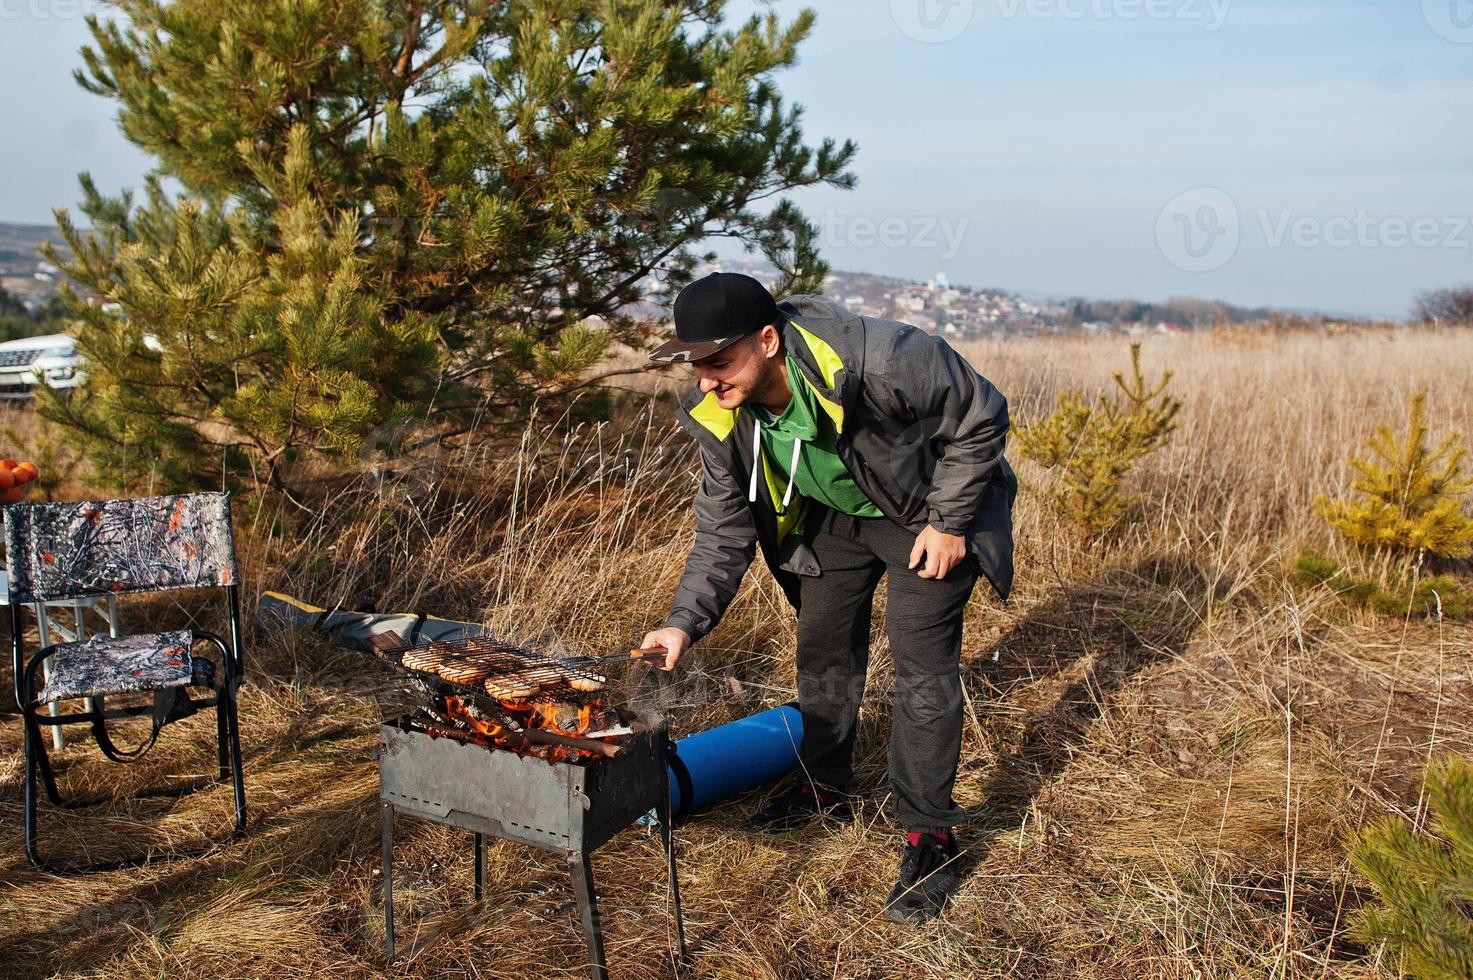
[531, 714]
[456, 708]
[546, 714]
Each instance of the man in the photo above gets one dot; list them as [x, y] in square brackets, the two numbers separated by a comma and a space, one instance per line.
[846, 448]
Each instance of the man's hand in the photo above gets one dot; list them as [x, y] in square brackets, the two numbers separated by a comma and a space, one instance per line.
[672, 640]
[940, 552]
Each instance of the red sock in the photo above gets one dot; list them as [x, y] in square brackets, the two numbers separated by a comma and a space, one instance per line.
[915, 839]
[824, 796]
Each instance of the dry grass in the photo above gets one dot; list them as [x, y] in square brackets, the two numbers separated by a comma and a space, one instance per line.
[1165, 749]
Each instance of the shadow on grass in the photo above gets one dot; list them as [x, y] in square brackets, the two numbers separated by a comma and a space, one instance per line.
[162, 898]
[1119, 623]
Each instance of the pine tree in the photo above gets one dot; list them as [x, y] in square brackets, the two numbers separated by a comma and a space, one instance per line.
[1425, 880]
[1411, 498]
[1096, 445]
[439, 208]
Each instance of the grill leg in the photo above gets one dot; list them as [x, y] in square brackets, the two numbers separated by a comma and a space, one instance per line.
[388, 832]
[582, 870]
[480, 845]
[667, 837]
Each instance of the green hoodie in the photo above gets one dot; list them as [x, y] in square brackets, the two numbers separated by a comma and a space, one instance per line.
[805, 435]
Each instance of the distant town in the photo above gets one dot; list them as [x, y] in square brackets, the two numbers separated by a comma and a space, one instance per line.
[954, 310]
[29, 279]
[965, 312]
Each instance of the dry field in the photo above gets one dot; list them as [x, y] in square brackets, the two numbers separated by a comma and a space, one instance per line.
[1166, 745]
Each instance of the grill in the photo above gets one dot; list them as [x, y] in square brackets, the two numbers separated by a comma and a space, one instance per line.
[461, 757]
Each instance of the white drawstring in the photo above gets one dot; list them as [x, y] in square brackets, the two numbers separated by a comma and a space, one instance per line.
[792, 471]
[757, 461]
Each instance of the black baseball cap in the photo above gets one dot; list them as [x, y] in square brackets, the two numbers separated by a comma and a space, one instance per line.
[716, 312]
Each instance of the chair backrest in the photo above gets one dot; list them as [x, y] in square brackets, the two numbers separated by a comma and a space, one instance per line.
[110, 547]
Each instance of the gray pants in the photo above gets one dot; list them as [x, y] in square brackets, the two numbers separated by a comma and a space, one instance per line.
[924, 621]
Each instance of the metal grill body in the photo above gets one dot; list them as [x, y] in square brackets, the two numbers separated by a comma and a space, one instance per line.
[563, 807]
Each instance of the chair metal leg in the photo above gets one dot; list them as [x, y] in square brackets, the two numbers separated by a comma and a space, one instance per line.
[582, 870]
[388, 844]
[36, 762]
[43, 629]
[42, 759]
[222, 738]
[33, 745]
[229, 726]
[237, 773]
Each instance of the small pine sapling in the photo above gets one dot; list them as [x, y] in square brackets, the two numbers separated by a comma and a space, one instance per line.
[1095, 445]
[1410, 499]
[1424, 879]
[1407, 511]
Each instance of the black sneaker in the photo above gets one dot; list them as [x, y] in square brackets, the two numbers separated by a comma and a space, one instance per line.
[928, 876]
[801, 804]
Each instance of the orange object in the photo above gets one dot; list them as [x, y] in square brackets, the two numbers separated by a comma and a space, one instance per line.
[7, 479]
[12, 495]
[26, 472]
[7, 463]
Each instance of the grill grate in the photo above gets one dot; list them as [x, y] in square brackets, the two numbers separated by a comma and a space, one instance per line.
[498, 659]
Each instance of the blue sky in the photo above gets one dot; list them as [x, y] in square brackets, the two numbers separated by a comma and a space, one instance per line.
[1305, 153]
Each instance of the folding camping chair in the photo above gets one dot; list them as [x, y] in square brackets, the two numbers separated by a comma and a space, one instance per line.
[107, 548]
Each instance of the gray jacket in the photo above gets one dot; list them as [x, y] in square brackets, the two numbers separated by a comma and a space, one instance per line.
[920, 431]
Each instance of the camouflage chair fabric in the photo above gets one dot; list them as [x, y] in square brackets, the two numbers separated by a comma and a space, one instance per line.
[111, 547]
[102, 547]
[112, 665]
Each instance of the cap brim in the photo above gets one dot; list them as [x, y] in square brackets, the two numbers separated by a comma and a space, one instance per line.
[677, 351]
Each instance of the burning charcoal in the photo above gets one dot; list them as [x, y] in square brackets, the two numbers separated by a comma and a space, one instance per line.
[566, 717]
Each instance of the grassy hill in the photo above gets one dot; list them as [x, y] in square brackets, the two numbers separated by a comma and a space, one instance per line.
[1166, 744]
